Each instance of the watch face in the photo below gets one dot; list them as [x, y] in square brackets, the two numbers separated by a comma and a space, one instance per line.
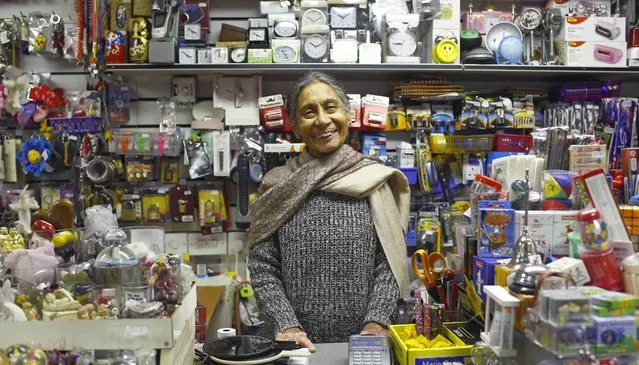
[257, 35]
[192, 31]
[313, 17]
[238, 55]
[401, 44]
[286, 29]
[285, 53]
[344, 17]
[219, 55]
[315, 47]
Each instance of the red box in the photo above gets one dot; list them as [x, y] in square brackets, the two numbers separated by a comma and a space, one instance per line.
[200, 333]
[200, 315]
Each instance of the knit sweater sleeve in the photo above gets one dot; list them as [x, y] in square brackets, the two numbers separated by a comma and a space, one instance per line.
[383, 298]
[264, 264]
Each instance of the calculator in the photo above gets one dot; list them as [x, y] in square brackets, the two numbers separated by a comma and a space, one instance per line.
[369, 350]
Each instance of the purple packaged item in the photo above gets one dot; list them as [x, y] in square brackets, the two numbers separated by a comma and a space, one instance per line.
[590, 91]
[26, 114]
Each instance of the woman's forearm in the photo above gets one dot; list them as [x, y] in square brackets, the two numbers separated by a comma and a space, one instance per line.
[266, 278]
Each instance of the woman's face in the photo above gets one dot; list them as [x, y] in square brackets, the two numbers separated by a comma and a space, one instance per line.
[322, 119]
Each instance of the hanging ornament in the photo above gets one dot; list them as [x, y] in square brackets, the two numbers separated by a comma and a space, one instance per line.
[36, 155]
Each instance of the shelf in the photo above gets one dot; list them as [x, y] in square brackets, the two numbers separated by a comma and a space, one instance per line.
[396, 71]
[115, 334]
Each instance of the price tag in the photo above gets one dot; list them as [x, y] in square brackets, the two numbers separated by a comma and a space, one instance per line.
[137, 330]
[4, 37]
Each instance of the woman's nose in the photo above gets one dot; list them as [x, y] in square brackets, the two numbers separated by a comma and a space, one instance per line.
[323, 117]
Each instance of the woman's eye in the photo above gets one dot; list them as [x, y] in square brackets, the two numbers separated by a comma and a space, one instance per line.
[331, 108]
[309, 115]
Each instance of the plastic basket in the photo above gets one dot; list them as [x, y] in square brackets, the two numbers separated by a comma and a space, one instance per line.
[460, 144]
[513, 143]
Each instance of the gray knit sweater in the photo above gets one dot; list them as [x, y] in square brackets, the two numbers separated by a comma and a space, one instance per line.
[324, 271]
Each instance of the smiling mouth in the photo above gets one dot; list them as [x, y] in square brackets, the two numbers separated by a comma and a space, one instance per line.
[326, 134]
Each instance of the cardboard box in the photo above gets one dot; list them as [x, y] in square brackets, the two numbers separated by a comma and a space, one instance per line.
[574, 267]
[584, 158]
[592, 53]
[540, 227]
[497, 236]
[581, 28]
[450, 13]
[484, 273]
[588, 6]
[484, 20]
[563, 223]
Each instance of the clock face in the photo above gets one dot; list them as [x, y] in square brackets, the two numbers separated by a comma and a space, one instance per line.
[344, 17]
[238, 55]
[315, 47]
[286, 29]
[401, 44]
[314, 17]
[192, 31]
[257, 35]
[530, 19]
[204, 56]
[219, 55]
[187, 55]
[285, 53]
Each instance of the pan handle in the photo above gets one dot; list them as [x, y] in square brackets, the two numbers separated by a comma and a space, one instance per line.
[287, 345]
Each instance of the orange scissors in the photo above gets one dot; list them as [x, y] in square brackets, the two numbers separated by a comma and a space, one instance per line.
[433, 265]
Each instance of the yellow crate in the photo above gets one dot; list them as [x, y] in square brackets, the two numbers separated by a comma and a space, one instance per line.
[406, 356]
[460, 144]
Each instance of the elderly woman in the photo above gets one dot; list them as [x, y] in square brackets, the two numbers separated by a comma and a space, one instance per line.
[327, 253]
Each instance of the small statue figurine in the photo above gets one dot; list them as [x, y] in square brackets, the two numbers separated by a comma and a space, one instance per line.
[23, 207]
[29, 311]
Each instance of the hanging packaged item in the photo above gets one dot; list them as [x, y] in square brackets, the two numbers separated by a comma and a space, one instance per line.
[374, 111]
[155, 205]
[197, 159]
[121, 11]
[119, 103]
[273, 113]
[41, 33]
[130, 207]
[140, 169]
[182, 204]
[169, 170]
[213, 210]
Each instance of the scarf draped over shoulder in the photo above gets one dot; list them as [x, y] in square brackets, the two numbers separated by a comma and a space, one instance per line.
[344, 172]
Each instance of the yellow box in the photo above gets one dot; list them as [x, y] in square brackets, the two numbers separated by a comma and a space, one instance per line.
[501, 274]
[526, 301]
[406, 356]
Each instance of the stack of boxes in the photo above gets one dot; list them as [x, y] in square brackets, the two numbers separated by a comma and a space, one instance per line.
[446, 27]
[593, 41]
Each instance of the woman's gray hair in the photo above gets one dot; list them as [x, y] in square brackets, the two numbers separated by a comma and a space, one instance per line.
[310, 78]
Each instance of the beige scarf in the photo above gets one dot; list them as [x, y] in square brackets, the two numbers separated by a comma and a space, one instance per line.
[344, 172]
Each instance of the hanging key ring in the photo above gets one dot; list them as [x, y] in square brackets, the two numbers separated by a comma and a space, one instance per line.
[55, 18]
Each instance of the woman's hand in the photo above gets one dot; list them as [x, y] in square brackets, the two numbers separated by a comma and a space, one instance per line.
[297, 335]
[374, 329]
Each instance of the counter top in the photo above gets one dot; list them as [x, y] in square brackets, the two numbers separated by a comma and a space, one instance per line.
[330, 354]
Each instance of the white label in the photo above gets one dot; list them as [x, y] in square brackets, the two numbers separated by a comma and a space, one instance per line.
[137, 330]
[187, 192]
[187, 218]
[73, 137]
[135, 296]
[4, 37]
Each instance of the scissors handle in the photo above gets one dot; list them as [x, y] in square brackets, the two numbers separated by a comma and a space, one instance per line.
[425, 275]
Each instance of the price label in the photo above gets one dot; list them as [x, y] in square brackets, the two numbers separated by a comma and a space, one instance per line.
[137, 330]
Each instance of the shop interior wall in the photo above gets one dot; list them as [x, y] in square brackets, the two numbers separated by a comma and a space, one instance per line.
[148, 86]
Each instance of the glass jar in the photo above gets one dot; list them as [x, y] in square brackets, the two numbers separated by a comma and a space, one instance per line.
[483, 188]
[116, 264]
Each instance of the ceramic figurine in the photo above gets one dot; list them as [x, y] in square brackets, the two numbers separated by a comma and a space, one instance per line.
[30, 311]
[59, 301]
[9, 311]
[23, 207]
[115, 47]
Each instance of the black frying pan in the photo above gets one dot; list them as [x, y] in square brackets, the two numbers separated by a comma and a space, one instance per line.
[238, 348]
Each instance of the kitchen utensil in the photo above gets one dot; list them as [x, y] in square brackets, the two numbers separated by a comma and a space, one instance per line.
[498, 32]
[249, 350]
[480, 56]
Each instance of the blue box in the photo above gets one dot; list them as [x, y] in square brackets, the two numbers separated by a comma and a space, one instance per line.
[497, 232]
[494, 204]
[484, 273]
